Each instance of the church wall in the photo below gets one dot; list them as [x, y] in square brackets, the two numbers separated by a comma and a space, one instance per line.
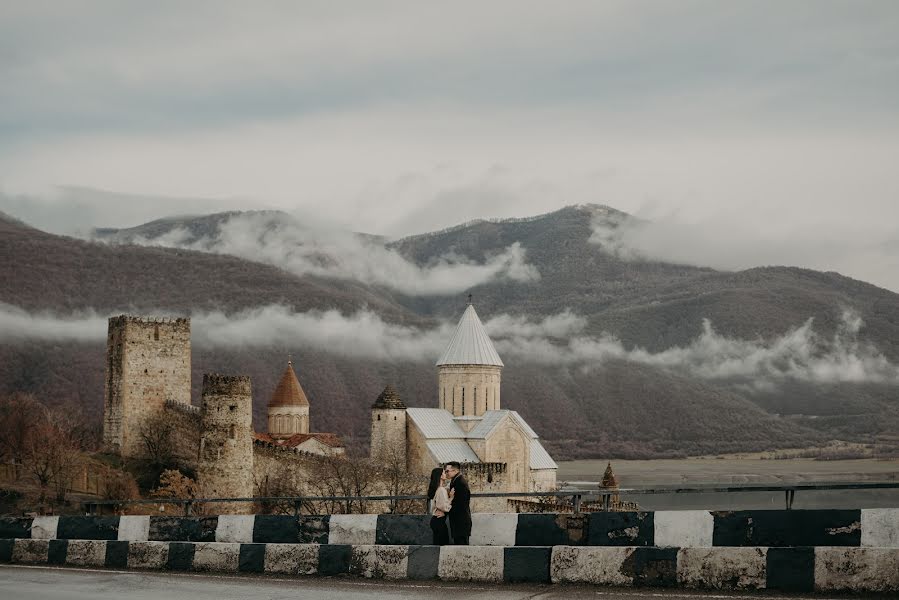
[418, 457]
[509, 445]
[487, 478]
[468, 389]
[543, 480]
[284, 421]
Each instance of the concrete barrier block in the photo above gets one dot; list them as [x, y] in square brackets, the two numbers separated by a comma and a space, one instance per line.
[722, 568]
[276, 529]
[590, 564]
[31, 551]
[543, 530]
[6, 548]
[857, 569]
[880, 527]
[684, 528]
[783, 528]
[291, 559]
[216, 556]
[314, 529]
[116, 554]
[44, 528]
[353, 529]
[423, 562]
[790, 569]
[252, 558]
[493, 529]
[134, 528]
[408, 530]
[58, 551]
[528, 564]
[380, 562]
[181, 556]
[148, 555]
[88, 528]
[15, 528]
[183, 529]
[86, 553]
[235, 529]
[620, 529]
[471, 563]
[334, 559]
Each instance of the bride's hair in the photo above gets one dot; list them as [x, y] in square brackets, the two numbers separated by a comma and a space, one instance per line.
[435, 482]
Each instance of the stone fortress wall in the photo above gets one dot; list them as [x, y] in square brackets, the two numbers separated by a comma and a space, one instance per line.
[148, 364]
[225, 467]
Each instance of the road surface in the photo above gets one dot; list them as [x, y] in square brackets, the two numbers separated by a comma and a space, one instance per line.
[47, 583]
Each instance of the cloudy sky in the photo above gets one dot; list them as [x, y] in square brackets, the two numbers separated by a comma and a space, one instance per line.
[749, 132]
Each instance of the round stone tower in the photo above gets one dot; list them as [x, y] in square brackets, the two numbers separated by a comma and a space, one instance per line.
[388, 428]
[225, 465]
[470, 370]
[288, 410]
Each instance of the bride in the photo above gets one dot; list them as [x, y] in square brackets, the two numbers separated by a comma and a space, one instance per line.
[440, 506]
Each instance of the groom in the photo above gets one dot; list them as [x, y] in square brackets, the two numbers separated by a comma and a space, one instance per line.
[460, 513]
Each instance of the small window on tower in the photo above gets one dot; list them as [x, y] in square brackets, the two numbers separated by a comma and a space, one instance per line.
[232, 432]
[156, 333]
[379, 417]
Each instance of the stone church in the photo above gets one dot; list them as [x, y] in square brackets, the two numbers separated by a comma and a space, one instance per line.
[499, 450]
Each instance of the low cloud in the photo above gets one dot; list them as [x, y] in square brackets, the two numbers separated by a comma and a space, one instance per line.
[742, 240]
[799, 354]
[280, 240]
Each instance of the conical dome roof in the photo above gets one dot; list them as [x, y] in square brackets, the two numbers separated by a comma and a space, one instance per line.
[389, 398]
[470, 344]
[608, 478]
[289, 392]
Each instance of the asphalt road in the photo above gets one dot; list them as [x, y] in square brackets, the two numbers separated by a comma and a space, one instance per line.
[45, 583]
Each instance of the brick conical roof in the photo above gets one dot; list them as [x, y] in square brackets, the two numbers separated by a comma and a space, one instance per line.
[389, 398]
[289, 392]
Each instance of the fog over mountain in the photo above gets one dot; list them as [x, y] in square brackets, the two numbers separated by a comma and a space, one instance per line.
[612, 353]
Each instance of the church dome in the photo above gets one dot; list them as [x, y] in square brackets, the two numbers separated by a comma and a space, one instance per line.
[289, 392]
[470, 344]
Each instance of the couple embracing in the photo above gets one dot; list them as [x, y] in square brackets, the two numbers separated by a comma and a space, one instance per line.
[450, 504]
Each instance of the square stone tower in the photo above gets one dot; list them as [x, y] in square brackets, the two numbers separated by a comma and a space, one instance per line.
[147, 365]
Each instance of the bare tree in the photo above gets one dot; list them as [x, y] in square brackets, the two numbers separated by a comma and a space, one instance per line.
[157, 436]
[395, 476]
[20, 416]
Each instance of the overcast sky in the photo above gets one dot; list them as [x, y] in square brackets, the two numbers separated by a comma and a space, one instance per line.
[753, 132]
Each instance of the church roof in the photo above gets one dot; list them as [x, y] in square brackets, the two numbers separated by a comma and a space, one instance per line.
[435, 423]
[470, 344]
[389, 398]
[289, 392]
[445, 451]
[540, 458]
[447, 441]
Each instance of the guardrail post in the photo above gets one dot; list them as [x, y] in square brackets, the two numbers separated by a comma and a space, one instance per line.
[790, 494]
[187, 504]
[297, 505]
[576, 504]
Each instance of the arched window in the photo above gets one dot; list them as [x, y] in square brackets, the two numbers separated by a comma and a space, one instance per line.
[156, 333]
[463, 402]
[232, 432]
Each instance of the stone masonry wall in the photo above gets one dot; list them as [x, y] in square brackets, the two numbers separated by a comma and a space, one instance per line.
[225, 467]
[388, 435]
[148, 363]
[468, 389]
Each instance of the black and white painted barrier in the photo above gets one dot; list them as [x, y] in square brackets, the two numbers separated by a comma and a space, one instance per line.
[787, 569]
[682, 529]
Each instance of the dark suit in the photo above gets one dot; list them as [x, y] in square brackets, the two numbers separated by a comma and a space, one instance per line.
[460, 514]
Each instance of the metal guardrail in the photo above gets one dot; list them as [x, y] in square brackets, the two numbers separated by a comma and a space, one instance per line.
[577, 496]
